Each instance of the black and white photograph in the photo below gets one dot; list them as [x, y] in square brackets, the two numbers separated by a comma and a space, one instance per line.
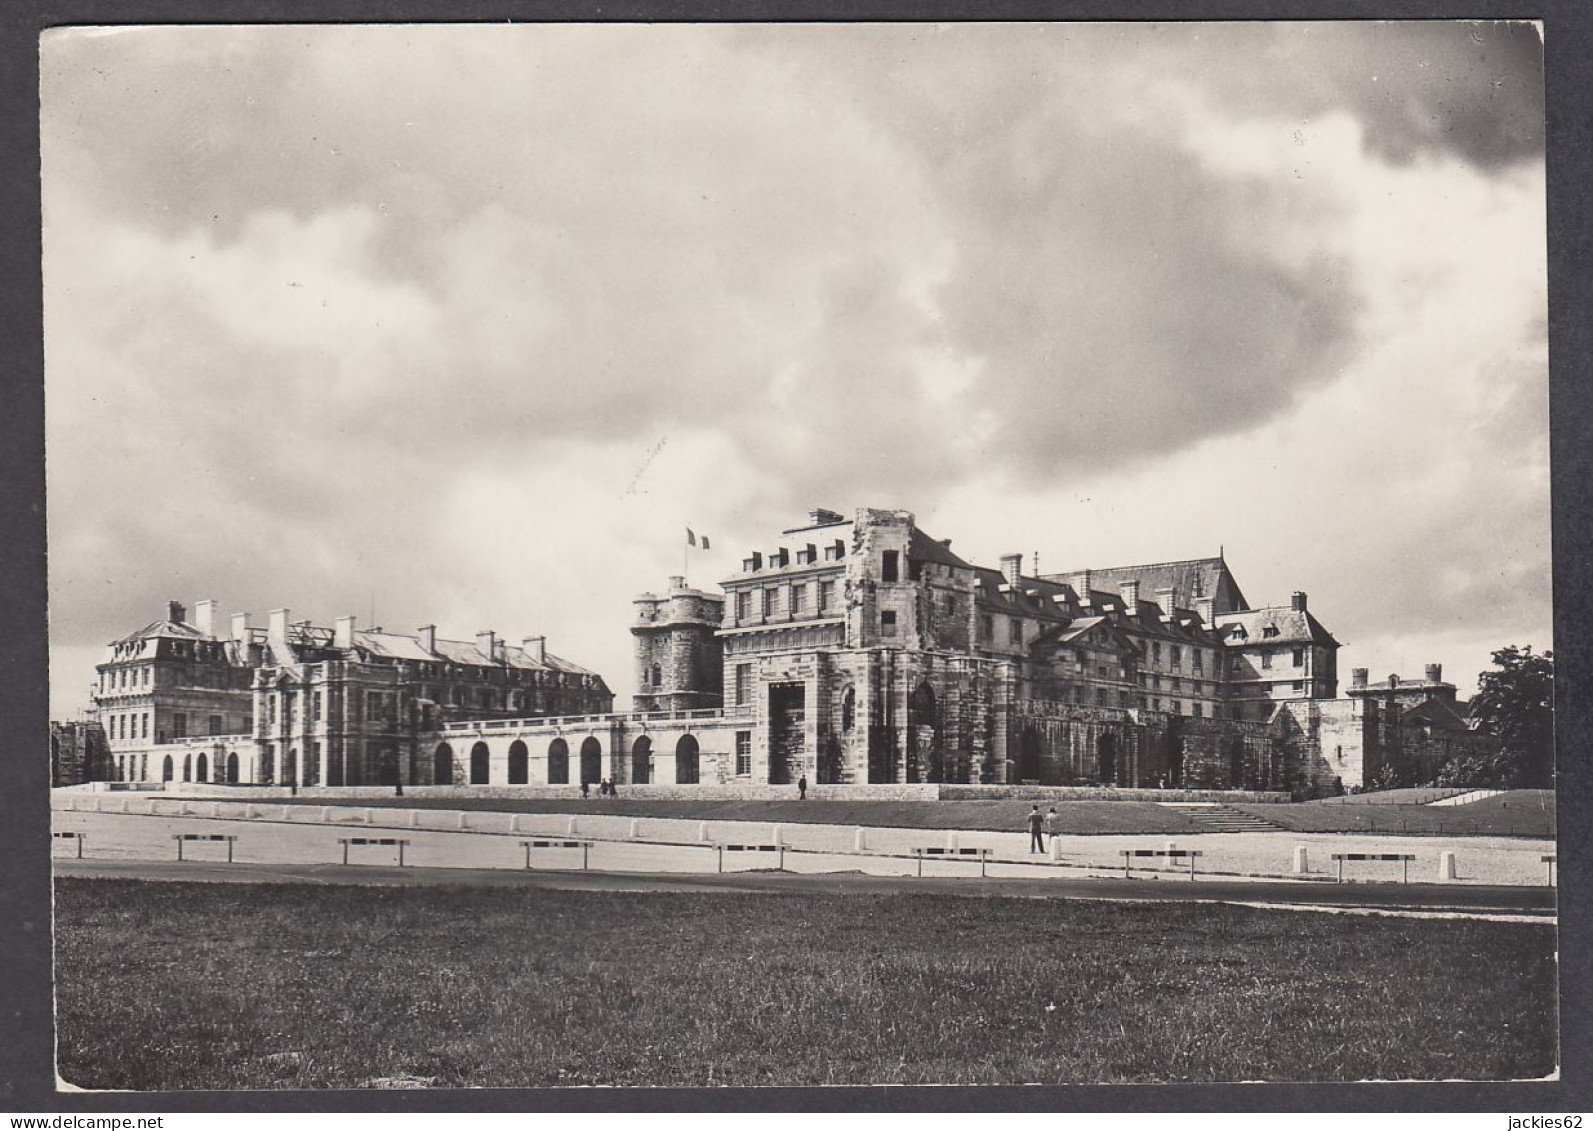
[772, 555]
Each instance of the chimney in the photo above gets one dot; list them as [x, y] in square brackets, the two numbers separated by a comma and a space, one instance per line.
[205, 618]
[428, 637]
[1435, 673]
[487, 644]
[821, 517]
[537, 648]
[1168, 600]
[1012, 568]
[277, 627]
[343, 632]
[1083, 582]
[1130, 591]
[1358, 677]
[240, 627]
[1206, 609]
[1297, 601]
[176, 613]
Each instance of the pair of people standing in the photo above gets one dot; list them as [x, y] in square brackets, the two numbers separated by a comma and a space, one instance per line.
[1040, 827]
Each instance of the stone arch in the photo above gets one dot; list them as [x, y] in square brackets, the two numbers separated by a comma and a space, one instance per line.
[202, 768]
[1029, 755]
[232, 767]
[558, 762]
[591, 760]
[686, 760]
[166, 769]
[188, 767]
[657, 675]
[1106, 759]
[923, 746]
[480, 764]
[642, 761]
[442, 765]
[519, 763]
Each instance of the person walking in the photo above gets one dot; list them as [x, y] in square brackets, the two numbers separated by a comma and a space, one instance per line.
[1036, 831]
[1051, 822]
[586, 788]
[802, 788]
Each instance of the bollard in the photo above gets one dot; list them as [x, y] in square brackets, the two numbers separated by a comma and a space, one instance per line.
[287, 812]
[248, 811]
[635, 827]
[860, 841]
[951, 842]
[326, 814]
[124, 804]
[215, 809]
[1446, 866]
[96, 803]
[774, 836]
[370, 816]
[702, 832]
[1301, 860]
[514, 823]
[1056, 849]
[573, 827]
[414, 818]
[464, 821]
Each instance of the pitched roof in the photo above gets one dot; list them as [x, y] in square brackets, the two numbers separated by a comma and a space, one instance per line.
[1294, 626]
[1197, 577]
[921, 547]
[396, 646]
[163, 628]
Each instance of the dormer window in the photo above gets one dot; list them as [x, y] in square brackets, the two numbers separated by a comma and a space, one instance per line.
[1269, 631]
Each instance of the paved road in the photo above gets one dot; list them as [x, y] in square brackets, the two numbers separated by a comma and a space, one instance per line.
[1465, 901]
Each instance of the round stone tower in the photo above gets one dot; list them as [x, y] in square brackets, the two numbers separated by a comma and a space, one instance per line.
[679, 665]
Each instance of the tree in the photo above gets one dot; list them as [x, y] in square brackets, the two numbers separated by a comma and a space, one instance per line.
[1515, 705]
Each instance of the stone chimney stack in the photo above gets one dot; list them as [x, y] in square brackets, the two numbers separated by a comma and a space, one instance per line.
[428, 637]
[343, 632]
[1168, 600]
[1435, 673]
[487, 644]
[537, 648]
[1012, 568]
[277, 627]
[240, 627]
[1082, 584]
[176, 613]
[1297, 601]
[1358, 677]
[1130, 591]
[205, 618]
[1206, 609]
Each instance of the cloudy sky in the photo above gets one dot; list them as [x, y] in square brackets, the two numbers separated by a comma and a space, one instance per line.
[465, 325]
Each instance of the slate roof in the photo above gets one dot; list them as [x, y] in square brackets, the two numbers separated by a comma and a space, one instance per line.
[396, 646]
[1295, 626]
[1197, 577]
[921, 547]
[163, 628]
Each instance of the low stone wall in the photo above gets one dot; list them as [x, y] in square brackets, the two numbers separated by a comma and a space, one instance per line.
[743, 792]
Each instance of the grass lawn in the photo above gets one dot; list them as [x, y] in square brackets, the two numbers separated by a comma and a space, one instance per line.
[1524, 813]
[186, 986]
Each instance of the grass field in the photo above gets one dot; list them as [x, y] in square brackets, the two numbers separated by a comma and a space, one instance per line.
[1525, 813]
[1522, 812]
[187, 986]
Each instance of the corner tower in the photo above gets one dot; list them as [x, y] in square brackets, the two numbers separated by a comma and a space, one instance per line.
[679, 666]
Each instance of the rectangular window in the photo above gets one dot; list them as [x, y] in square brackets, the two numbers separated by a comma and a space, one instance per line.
[888, 566]
[826, 596]
[1176, 654]
[887, 623]
[179, 725]
[1266, 659]
[216, 725]
[1200, 711]
[1299, 657]
[951, 604]
[743, 607]
[769, 599]
[915, 570]
[743, 753]
[1200, 659]
[799, 600]
[987, 626]
[1156, 651]
[743, 684]
[145, 726]
[1299, 685]
[1015, 630]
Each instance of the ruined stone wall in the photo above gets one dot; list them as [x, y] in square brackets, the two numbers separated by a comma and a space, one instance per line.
[1228, 754]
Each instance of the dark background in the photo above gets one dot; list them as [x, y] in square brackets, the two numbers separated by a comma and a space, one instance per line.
[26, 1011]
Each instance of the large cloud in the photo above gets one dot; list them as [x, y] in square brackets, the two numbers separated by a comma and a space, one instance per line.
[312, 295]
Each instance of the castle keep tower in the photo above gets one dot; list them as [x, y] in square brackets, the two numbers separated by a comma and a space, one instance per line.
[679, 666]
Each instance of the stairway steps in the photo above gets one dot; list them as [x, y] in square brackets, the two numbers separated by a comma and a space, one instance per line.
[1224, 819]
